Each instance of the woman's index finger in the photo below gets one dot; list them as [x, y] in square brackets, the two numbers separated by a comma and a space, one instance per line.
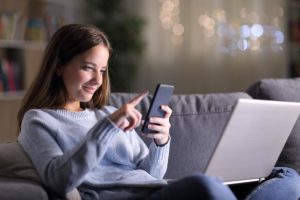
[137, 99]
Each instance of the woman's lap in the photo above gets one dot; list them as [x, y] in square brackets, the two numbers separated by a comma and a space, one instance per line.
[196, 187]
[283, 183]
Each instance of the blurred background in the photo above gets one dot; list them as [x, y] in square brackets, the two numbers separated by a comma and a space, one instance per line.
[200, 46]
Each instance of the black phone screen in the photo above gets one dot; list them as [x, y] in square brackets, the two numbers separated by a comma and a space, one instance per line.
[161, 96]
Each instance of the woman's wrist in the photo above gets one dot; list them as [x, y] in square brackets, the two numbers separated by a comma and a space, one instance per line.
[162, 143]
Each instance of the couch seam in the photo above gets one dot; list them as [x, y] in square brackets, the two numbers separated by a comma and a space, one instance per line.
[201, 113]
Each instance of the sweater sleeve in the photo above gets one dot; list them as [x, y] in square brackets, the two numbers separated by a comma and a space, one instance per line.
[61, 172]
[156, 161]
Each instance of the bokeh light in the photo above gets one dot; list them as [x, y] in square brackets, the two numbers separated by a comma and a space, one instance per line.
[251, 30]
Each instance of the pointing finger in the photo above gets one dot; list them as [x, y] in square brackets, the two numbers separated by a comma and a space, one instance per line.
[136, 100]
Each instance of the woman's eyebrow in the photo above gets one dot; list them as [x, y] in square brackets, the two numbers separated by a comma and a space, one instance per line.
[91, 63]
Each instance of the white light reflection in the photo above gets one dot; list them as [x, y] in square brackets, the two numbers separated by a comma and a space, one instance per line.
[243, 44]
[257, 30]
[245, 31]
[279, 37]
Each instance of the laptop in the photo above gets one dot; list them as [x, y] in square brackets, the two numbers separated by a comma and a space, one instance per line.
[252, 140]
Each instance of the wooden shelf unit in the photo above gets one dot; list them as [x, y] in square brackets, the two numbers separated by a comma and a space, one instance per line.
[25, 28]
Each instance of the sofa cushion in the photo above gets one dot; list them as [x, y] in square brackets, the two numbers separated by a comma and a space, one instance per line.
[19, 178]
[197, 122]
[16, 189]
[282, 90]
[276, 89]
[15, 163]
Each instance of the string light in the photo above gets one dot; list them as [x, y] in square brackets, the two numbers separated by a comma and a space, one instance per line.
[170, 20]
[248, 32]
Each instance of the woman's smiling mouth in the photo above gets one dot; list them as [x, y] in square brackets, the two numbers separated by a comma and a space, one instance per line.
[90, 89]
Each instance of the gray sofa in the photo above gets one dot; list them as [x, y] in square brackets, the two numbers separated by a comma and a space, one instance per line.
[197, 121]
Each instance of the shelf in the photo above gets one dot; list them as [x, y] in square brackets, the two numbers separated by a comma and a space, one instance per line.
[22, 44]
[18, 95]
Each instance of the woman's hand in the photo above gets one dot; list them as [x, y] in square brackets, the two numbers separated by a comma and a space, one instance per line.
[128, 117]
[161, 126]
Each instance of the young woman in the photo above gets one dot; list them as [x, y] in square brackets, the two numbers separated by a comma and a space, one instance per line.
[76, 141]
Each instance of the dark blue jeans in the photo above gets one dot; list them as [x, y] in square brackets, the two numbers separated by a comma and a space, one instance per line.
[282, 184]
[195, 187]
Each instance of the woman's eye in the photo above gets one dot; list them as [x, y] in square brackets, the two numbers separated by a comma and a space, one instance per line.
[87, 68]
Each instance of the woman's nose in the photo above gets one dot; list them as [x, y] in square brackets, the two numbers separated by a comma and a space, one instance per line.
[97, 77]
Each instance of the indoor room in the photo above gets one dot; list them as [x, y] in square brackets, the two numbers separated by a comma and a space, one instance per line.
[215, 55]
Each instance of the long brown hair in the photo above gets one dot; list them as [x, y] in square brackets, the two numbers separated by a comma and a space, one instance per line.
[47, 89]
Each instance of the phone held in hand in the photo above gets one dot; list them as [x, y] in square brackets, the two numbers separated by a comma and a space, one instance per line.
[161, 96]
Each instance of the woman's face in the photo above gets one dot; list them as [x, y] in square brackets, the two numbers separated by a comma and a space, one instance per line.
[83, 75]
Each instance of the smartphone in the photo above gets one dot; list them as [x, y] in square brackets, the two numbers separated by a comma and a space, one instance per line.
[161, 96]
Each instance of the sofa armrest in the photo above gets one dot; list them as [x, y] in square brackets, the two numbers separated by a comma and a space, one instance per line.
[16, 188]
[17, 173]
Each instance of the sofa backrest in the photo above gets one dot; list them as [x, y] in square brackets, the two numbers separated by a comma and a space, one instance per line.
[196, 124]
[282, 90]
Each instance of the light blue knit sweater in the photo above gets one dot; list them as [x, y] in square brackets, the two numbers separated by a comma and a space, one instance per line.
[71, 148]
